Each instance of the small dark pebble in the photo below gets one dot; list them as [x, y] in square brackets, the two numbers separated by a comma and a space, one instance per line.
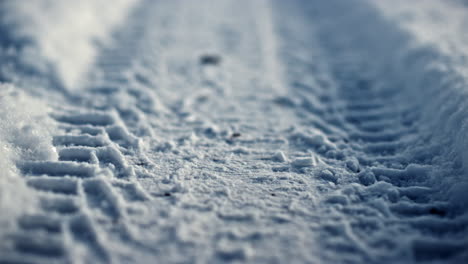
[234, 135]
[210, 59]
[436, 211]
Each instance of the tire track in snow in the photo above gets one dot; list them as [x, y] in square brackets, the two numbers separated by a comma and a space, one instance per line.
[199, 163]
[88, 195]
[384, 131]
[85, 196]
[195, 108]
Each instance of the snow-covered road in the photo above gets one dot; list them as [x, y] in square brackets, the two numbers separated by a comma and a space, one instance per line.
[215, 131]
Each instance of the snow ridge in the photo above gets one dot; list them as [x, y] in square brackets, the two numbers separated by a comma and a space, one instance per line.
[64, 33]
[25, 134]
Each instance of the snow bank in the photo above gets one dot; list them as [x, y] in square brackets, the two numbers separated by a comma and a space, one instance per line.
[66, 32]
[24, 135]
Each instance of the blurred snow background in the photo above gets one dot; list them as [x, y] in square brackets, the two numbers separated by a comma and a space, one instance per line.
[66, 32]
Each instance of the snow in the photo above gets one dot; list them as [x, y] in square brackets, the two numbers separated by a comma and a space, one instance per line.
[26, 126]
[304, 162]
[25, 134]
[367, 178]
[67, 33]
[440, 65]
[280, 157]
[439, 50]
[216, 131]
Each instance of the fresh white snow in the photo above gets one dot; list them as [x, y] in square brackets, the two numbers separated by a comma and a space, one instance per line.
[25, 134]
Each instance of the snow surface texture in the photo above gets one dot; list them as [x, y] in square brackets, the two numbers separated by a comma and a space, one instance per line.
[217, 131]
[24, 135]
[65, 32]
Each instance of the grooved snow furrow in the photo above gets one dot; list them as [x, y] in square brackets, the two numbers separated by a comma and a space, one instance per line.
[86, 192]
[77, 195]
[384, 129]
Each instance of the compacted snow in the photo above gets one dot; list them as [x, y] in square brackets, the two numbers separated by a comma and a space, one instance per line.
[215, 131]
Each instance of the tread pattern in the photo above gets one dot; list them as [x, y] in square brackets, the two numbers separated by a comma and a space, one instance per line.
[87, 195]
[368, 117]
[348, 165]
[92, 187]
